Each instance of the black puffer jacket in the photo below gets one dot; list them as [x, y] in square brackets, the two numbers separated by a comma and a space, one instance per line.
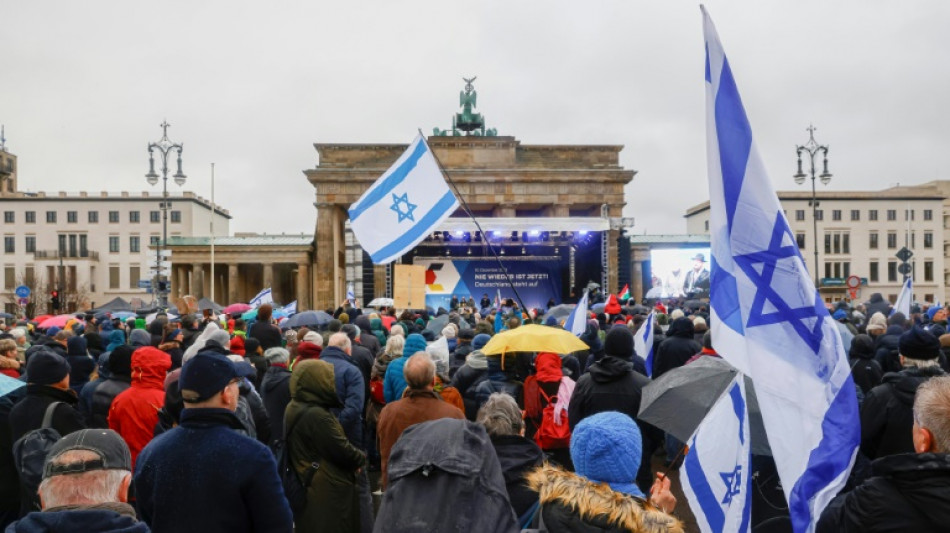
[887, 416]
[887, 349]
[876, 304]
[865, 370]
[906, 492]
[677, 348]
[275, 391]
[518, 456]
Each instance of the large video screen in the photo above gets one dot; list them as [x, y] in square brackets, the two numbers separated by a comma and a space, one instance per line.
[679, 273]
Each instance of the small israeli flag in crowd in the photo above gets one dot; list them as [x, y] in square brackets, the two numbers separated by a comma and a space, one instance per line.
[577, 320]
[767, 318]
[350, 295]
[643, 342]
[291, 308]
[905, 298]
[715, 472]
[406, 203]
[263, 297]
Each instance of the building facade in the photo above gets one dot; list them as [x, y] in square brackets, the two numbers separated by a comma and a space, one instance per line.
[859, 233]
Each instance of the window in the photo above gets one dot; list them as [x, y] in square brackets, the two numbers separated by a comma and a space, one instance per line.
[800, 239]
[819, 215]
[134, 244]
[31, 217]
[872, 240]
[928, 270]
[9, 277]
[892, 271]
[113, 277]
[837, 242]
[846, 243]
[855, 214]
[891, 240]
[836, 214]
[872, 214]
[93, 217]
[913, 239]
[72, 217]
[51, 217]
[133, 217]
[176, 216]
[113, 244]
[134, 276]
[928, 239]
[30, 244]
[114, 217]
[9, 217]
[908, 214]
[928, 214]
[827, 269]
[706, 224]
[9, 244]
[827, 243]
[873, 272]
[799, 214]
[154, 240]
[892, 214]
[84, 246]
[156, 216]
[62, 244]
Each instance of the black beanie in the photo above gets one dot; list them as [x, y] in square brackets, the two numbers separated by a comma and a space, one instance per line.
[120, 360]
[46, 368]
[619, 342]
[918, 343]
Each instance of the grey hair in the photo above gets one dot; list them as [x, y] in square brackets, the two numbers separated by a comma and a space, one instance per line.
[87, 488]
[277, 355]
[500, 415]
[341, 341]
[908, 362]
[419, 378]
[932, 410]
[395, 345]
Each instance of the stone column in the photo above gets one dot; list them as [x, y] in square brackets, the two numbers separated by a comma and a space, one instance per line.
[197, 281]
[612, 261]
[269, 277]
[636, 288]
[329, 247]
[232, 283]
[303, 286]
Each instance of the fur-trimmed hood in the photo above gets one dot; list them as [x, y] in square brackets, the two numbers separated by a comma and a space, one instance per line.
[596, 502]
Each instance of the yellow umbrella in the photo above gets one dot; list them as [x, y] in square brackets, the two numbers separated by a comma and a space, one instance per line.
[534, 338]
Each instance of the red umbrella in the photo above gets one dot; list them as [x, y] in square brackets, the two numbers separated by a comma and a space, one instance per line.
[41, 318]
[236, 308]
[58, 321]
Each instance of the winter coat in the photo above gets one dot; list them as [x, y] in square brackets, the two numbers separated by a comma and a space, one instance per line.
[317, 438]
[906, 492]
[134, 411]
[877, 304]
[518, 456]
[252, 414]
[275, 392]
[350, 389]
[887, 349]
[104, 518]
[81, 366]
[458, 357]
[416, 407]
[394, 383]
[267, 334]
[102, 397]
[498, 381]
[173, 349]
[574, 504]
[865, 369]
[9, 478]
[367, 337]
[887, 417]
[613, 385]
[678, 347]
[376, 328]
[28, 413]
[466, 380]
[203, 475]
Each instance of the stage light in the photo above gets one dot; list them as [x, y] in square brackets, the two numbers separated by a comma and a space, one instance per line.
[534, 233]
[522, 250]
[459, 233]
[582, 233]
[502, 252]
[469, 251]
[496, 234]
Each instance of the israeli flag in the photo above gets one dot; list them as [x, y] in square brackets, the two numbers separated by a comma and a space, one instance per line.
[643, 342]
[291, 308]
[405, 204]
[350, 295]
[715, 473]
[577, 320]
[904, 298]
[767, 318]
[263, 297]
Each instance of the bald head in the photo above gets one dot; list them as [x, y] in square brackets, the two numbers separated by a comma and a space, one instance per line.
[419, 371]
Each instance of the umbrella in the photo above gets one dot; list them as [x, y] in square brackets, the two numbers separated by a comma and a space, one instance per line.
[41, 318]
[677, 401]
[381, 302]
[276, 313]
[6, 315]
[152, 316]
[560, 311]
[534, 338]
[598, 308]
[437, 324]
[123, 315]
[206, 303]
[236, 308]
[310, 319]
[639, 310]
[58, 321]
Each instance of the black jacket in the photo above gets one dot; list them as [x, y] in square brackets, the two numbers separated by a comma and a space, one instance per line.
[887, 415]
[677, 348]
[906, 492]
[275, 391]
[27, 415]
[267, 334]
[876, 304]
[518, 456]
[110, 517]
[865, 369]
[102, 397]
[887, 349]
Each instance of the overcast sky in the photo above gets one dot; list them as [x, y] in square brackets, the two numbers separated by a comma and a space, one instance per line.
[252, 85]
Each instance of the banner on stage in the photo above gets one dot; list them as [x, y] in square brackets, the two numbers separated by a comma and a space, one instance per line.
[536, 281]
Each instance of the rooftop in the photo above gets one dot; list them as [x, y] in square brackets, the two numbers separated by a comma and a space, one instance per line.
[683, 238]
[106, 195]
[246, 239]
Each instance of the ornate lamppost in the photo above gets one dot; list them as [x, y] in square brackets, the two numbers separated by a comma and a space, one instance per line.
[812, 148]
[164, 147]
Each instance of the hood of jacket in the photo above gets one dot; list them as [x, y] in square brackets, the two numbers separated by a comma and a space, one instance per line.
[149, 367]
[363, 323]
[376, 324]
[681, 327]
[904, 383]
[414, 343]
[107, 517]
[139, 337]
[875, 298]
[609, 369]
[921, 478]
[477, 360]
[273, 377]
[516, 454]
[597, 503]
[313, 382]
[862, 347]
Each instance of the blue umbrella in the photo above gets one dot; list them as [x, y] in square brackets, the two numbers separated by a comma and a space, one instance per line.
[308, 319]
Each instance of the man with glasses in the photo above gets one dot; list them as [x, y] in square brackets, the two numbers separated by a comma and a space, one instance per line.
[205, 475]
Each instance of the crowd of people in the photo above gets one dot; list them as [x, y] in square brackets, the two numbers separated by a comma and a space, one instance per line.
[213, 424]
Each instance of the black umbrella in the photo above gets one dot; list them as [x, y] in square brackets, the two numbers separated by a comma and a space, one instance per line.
[560, 311]
[310, 319]
[677, 401]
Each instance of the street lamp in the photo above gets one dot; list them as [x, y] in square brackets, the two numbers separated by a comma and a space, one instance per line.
[164, 146]
[812, 148]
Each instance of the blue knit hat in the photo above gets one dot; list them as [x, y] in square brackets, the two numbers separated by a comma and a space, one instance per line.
[414, 343]
[606, 448]
[480, 341]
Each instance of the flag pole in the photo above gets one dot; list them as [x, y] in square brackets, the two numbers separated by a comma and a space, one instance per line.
[477, 225]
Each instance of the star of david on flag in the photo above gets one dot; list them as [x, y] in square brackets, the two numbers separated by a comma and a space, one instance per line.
[643, 342]
[405, 204]
[767, 318]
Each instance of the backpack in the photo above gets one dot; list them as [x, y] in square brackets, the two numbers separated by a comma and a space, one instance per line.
[294, 489]
[30, 450]
[550, 435]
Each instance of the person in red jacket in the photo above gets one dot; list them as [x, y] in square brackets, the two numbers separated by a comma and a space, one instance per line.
[134, 411]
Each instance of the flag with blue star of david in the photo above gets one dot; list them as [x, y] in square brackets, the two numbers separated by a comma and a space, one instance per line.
[403, 206]
[643, 342]
[768, 320]
[715, 472]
